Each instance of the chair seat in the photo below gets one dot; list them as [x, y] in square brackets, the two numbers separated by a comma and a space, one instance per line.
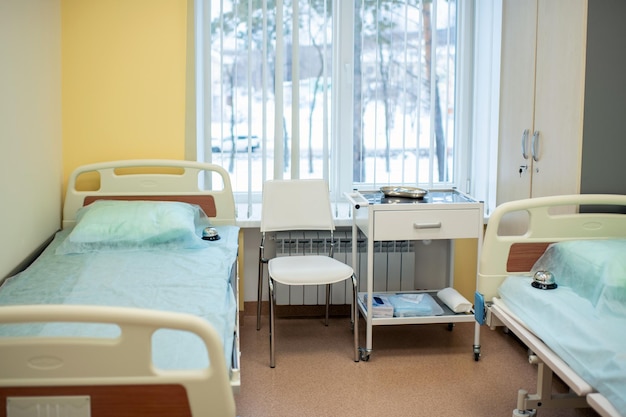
[308, 270]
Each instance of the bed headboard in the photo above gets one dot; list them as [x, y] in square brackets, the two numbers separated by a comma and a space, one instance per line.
[550, 219]
[154, 179]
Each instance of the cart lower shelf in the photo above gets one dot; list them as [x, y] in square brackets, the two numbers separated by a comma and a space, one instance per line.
[448, 317]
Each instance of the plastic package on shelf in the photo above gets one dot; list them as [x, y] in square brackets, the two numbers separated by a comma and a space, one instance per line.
[414, 305]
[381, 307]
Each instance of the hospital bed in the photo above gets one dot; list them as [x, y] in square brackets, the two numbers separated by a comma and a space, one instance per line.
[576, 330]
[128, 311]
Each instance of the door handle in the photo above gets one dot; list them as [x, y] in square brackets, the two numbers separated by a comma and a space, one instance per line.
[434, 225]
[525, 143]
[535, 145]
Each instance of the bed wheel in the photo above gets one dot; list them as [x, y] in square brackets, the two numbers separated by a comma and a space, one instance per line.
[450, 326]
[524, 413]
[364, 354]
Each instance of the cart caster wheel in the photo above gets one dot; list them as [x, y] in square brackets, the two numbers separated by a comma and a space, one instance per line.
[364, 354]
[450, 326]
[476, 352]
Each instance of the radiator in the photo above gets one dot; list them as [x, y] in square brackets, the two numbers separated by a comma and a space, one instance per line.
[394, 265]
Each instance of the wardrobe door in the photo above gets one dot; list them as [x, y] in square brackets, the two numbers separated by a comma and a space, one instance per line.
[517, 96]
[559, 97]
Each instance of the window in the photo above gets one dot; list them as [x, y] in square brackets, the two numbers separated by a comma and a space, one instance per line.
[363, 93]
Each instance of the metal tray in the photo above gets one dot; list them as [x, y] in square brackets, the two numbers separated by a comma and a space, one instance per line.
[406, 192]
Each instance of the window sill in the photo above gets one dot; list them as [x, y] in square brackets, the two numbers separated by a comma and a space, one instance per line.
[342, 215]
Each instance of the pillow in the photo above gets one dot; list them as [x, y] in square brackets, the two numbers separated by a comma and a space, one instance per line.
[594, 269]
[133, 225]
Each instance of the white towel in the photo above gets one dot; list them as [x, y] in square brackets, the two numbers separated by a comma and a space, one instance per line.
[454, 300]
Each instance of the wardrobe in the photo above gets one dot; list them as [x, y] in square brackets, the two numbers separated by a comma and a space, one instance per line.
[562, 112]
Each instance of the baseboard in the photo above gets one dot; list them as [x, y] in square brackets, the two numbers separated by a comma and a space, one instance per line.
[339, 310]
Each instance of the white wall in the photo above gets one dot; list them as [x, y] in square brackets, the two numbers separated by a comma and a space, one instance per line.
[30, 127]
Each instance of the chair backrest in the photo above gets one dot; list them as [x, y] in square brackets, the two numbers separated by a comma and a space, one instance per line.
[296, 205]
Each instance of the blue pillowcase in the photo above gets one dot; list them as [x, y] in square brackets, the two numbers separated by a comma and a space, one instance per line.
[594, 269]
[135, 225]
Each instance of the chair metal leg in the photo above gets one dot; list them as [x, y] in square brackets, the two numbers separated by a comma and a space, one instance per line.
[354, 313]
[272, 324]
[355, 318]
[259, 298]
[260, 292]
[327, 302]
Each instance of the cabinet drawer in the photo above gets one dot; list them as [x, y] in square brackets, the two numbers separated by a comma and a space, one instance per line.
[426, 224]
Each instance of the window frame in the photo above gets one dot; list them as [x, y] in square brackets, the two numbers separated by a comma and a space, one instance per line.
[467, 156]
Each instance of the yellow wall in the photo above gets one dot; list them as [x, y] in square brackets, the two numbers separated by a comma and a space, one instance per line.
[465, 263]
[123, 80]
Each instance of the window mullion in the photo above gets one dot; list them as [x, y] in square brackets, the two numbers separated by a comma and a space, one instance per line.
[295, 91]
[405, 71]
[264, 94]
[325, 103]
[278, 94]
[432, 86]
[249, 109]
[420, 82]
[342, 93]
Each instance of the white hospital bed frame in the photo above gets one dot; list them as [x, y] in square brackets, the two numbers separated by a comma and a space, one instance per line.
[550, 219]
[40, 373]
[153, 179]
[108, 370]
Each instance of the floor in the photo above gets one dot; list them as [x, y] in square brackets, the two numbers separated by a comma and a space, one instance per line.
[422, 370]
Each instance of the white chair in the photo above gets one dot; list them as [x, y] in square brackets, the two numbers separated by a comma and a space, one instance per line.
[300, 205]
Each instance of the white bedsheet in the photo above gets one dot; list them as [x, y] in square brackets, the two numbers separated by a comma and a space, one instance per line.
[194, 281]
[591, 341]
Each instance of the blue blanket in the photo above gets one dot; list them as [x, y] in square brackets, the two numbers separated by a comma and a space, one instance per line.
[582, 322]
[194, 281]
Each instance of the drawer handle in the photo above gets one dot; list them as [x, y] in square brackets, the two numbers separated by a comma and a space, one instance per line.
[436, 225]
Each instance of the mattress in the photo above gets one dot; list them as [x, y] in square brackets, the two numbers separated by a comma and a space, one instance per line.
[194, 281]
[590, 340]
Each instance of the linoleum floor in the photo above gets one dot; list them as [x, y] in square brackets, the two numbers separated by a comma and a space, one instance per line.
[414, 370]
